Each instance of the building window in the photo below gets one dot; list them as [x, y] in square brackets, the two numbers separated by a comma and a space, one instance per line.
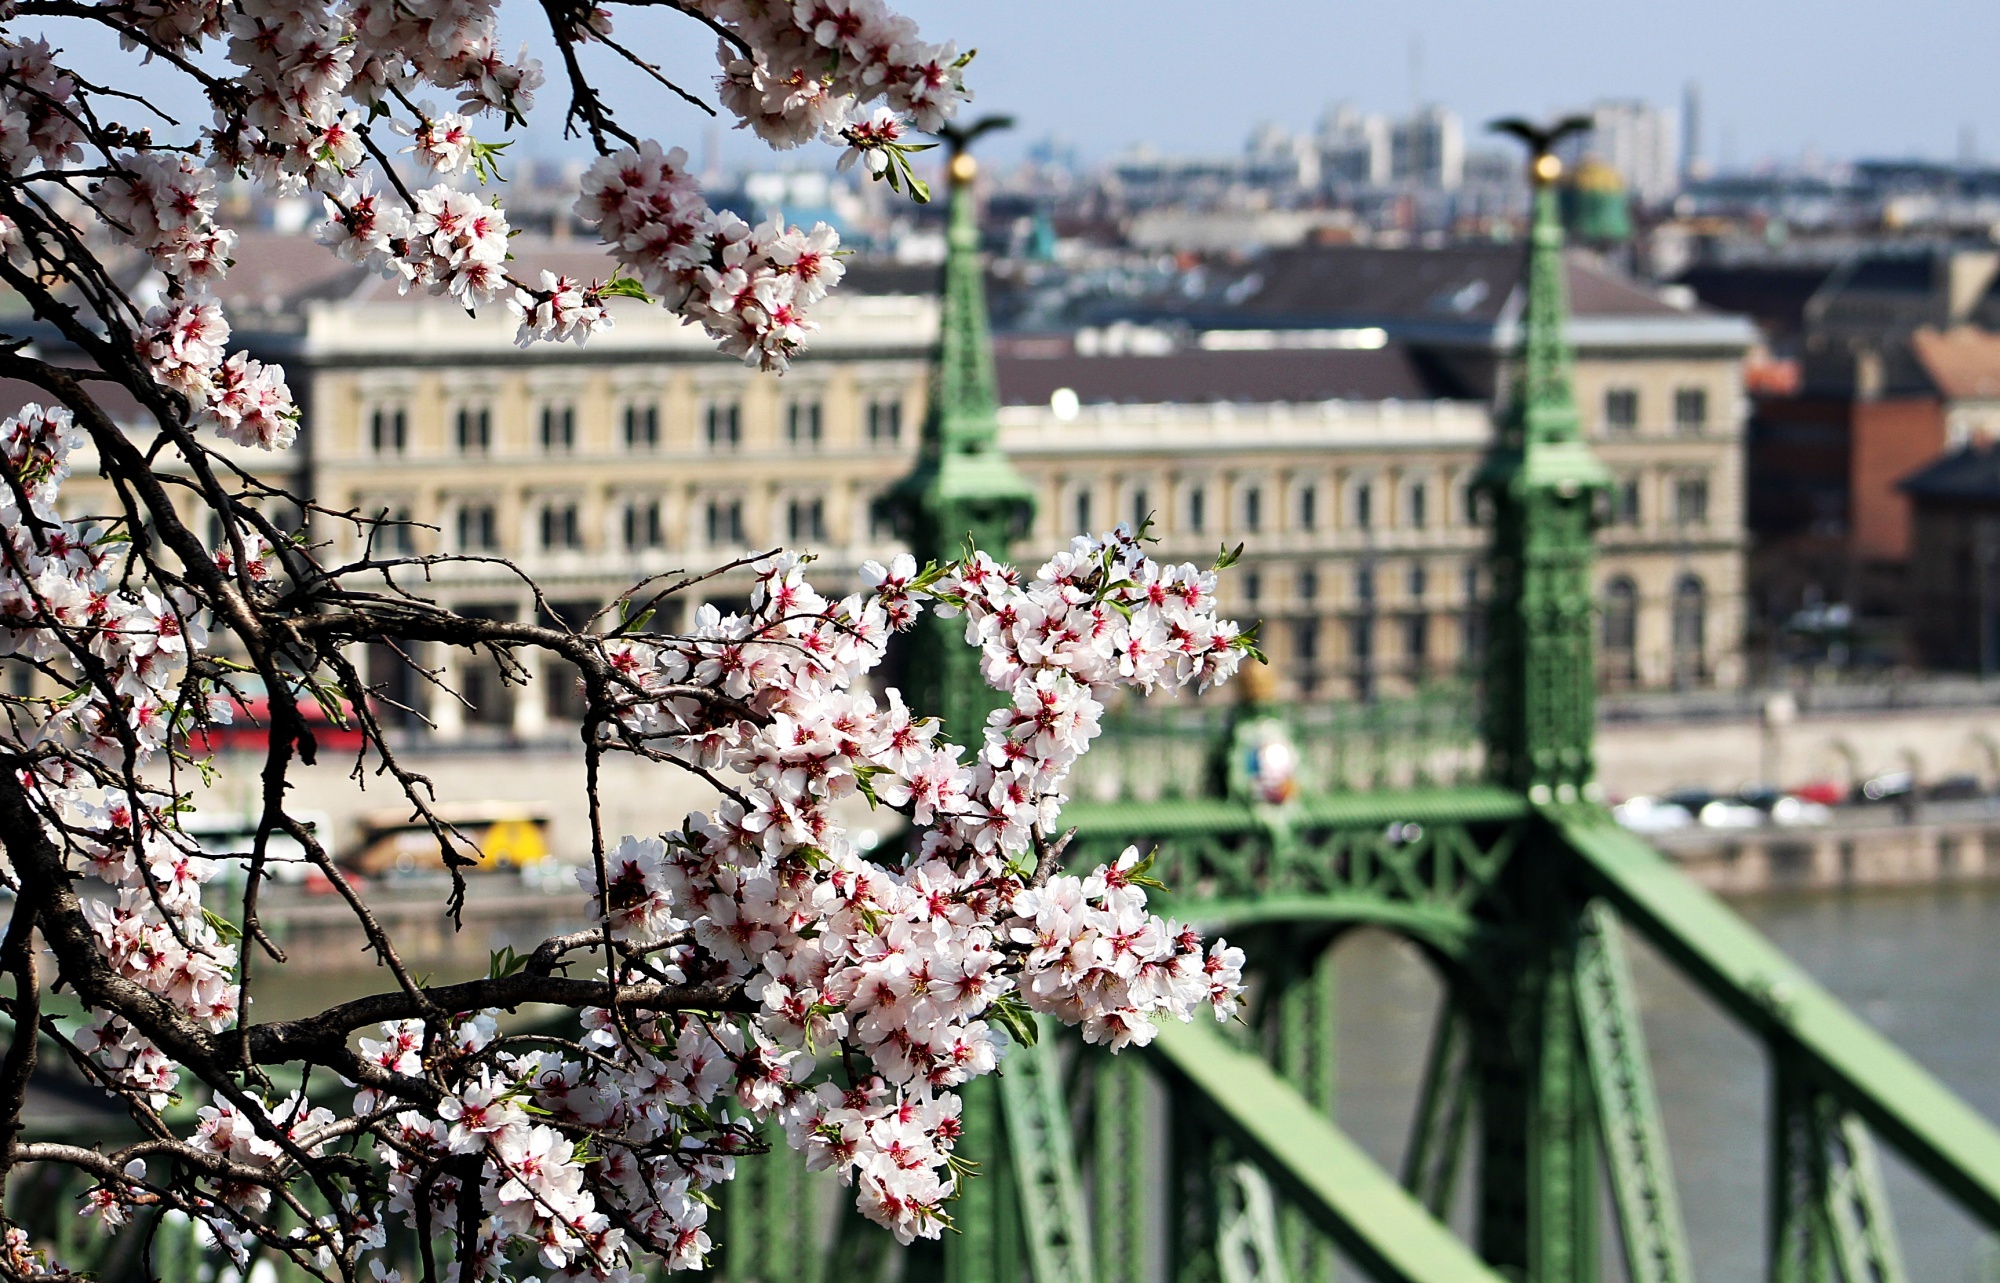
[725, 522]
[1364, 584]
[1142, 509]
[1253, 586]
[1690, 409]
[391, 533]
[802, 424]
[1691, 501]
[1253, 508]
[805, 519]
[1364, 505]
[1082, 503]
[1197, 509]
[1621, 630]
[478, 528]
[1305, 654]
[1471, 623]
[1621, 409]
[1690, 629]
[1361, 650]
[1418, 582]
[723, 425]
[1309, 507]
[473, 426]
[1625, 503]
[881, 520]
[885, 422]
[642, 524]
[1308, 583]
[389, 429]
[1420, 504]
[642, 426]
[558, 428]
[560, 528]
[1417, 639]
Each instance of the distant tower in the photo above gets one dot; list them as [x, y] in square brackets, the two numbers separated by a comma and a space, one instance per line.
[1693, 165]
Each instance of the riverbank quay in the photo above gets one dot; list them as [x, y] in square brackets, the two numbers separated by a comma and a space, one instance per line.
[1865, 847]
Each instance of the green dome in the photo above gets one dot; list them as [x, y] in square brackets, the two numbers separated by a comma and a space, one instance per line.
[1595, 207]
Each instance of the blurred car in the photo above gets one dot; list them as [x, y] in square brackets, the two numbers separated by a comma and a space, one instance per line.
[1784, 808]
[248, 730]
[1691, 799]
[493, 835]
[1889, 786]
[1955, 788]
[1651, 815]
[232, 836]
[1824, 792]
[1794, 812]
[1725, 813]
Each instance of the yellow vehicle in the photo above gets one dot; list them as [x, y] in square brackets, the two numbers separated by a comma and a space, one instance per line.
[495, 835]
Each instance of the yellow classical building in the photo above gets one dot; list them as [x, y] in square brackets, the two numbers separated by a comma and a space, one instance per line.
[1338, 456]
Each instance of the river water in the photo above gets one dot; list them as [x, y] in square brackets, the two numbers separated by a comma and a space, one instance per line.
[1922, 966]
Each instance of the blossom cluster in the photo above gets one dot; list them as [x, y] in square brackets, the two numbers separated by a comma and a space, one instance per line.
[862, 991]
[901, 974]
[811, 64]
[749, 288]
[306, 77]
[913, 969]
[165, 205]
[62, 607]
[871, 989]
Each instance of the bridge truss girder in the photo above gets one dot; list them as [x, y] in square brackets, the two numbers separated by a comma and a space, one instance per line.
[1132, 1168]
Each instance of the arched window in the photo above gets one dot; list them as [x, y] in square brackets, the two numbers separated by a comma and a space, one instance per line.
[1690, 629]
[1621, 630]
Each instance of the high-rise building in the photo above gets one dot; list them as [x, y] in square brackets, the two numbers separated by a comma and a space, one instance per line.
[1277, 157]
[1354, 146]
[1694, 165]
[1638, 140]
[1428, 149]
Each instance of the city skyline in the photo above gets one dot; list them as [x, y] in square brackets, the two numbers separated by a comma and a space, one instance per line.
[1191, 81]
[1772, 85]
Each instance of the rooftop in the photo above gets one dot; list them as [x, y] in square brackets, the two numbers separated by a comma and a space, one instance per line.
[1470, 288]
[1963, 362]
[1971, 475]
[1195, 377]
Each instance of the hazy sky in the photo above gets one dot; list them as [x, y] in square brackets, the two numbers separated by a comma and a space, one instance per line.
[1844, 77]
[1849, 77]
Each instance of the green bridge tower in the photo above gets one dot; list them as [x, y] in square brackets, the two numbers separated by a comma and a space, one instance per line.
[1024, 1208]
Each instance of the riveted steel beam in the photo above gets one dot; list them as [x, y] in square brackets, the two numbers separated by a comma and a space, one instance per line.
[1905, 1105]
[1642, 1179]
[1313, 1164]
[1044, 1157]
[1436, 1151]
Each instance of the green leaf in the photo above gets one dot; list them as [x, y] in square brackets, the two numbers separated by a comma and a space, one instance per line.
[222, 926]
[624, 287]
[504, 962]
[483, 157]
[1013, 1016]
[1228, 557]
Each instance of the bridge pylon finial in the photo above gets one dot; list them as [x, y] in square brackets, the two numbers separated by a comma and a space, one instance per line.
[1543, 486]
[962, 487]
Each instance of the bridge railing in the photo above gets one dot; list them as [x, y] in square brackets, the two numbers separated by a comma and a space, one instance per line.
[1164, 748]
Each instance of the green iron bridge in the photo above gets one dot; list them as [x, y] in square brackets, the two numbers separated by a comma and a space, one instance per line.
[1213, 1157]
